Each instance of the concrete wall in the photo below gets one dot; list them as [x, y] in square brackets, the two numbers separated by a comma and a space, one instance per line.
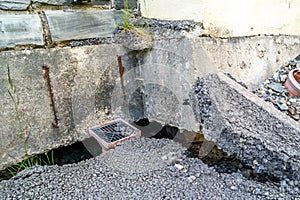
[85, 79]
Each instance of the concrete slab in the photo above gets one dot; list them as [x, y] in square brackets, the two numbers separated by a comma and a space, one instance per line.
[241, 123]
[23, 29]
[14, 4]
[86, 81]
[80, 24]
[74, 74]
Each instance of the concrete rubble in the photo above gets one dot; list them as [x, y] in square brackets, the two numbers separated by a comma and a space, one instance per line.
[241, 123]
[273, 90]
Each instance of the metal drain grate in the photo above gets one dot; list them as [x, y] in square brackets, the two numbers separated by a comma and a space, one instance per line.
[113, 132]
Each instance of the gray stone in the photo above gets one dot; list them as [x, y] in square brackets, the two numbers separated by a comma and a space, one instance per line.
[14, 4]
[277, 87]
[282, 106]
[53, 2]
[244, 124]
[276, 76]
[283, 78]
[80, 24]
[20, 29]
[71, 2]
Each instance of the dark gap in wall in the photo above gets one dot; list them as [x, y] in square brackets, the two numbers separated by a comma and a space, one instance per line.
[216, 158]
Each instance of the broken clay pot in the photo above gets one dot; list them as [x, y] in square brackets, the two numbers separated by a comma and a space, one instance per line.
[292, 83]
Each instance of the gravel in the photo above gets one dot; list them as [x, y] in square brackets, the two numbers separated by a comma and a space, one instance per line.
[169, 29]
[141, 168]
[273, 90]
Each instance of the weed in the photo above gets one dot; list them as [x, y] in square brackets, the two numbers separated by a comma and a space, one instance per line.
[11, 171]
[126, 17]
[12, 91]
[28, 161]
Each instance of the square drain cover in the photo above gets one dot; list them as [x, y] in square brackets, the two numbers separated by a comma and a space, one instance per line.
[110, 133]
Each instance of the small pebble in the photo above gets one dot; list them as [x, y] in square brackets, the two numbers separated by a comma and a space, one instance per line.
[233, 187]
[178, 166]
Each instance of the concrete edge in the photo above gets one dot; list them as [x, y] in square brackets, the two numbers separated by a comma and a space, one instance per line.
[261, 103]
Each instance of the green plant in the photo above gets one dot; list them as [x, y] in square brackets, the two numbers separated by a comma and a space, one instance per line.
[28, 161]
[42, 159]
[126, 24]
[126, 17]
[12, 91]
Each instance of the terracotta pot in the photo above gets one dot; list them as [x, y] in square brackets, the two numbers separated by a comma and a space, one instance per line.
[292, 83]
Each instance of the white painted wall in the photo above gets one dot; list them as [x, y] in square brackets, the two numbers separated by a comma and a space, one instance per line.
[172, 9]
[231, 18]
[223, 18]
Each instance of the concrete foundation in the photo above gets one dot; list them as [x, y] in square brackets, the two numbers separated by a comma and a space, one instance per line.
[88, 87]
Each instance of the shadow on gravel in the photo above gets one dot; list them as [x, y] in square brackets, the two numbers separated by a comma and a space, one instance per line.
[216, 158]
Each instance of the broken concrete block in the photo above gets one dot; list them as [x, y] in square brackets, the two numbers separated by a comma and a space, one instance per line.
[20, 30]
[80, 24]
[136, 39]
[241, 123]
[14, 4]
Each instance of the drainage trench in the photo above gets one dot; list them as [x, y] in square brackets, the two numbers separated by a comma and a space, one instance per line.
[216, 158]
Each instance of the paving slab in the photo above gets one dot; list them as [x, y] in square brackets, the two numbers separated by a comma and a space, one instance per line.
[80, 24]
[242, 123]
[14, 4]
[23, 29]
[70, 2]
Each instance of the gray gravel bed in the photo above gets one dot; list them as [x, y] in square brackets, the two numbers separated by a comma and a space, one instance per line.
[273, 90]
[136, 169]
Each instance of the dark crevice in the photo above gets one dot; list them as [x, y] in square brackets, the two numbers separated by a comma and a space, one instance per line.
[224, 163]
[71, 154]
[63, 155]
[216, 158]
